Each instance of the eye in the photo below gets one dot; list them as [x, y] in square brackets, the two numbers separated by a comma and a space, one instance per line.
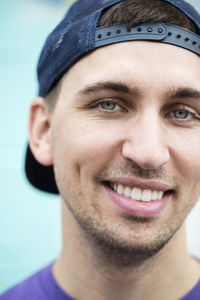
[112, 107]
[181, 114]
[109, 105]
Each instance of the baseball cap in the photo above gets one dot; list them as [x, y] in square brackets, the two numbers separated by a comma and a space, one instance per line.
[78, 34]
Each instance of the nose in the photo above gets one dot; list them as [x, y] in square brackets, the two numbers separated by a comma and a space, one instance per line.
[146, 143]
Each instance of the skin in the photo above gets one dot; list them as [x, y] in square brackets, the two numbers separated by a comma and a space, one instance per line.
[90, 144]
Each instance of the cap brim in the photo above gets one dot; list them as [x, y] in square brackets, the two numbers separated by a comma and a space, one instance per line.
[40, 176]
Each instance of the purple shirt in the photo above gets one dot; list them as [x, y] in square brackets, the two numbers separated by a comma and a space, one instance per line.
[43, 286]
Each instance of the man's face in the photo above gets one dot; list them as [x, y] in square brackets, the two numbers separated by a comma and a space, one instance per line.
[128, 118]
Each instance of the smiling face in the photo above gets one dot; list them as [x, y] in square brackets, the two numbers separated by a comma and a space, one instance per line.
[128, 119]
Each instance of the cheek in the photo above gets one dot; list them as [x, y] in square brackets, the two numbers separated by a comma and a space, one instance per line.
[87, 147]
[185, 157]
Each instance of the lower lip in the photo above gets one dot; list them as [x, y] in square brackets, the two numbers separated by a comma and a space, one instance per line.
[138, 208]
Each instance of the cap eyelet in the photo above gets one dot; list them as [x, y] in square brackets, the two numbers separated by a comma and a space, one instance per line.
[178, 36]
[139, 29]
[149, 29]
[160, 30]
[99, 36]
[109, 33]
[118, 31]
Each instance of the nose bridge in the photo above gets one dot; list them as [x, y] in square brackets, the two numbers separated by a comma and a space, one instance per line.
[146, 143]
[149, 127]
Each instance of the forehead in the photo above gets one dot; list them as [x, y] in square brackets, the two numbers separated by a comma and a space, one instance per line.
[142, 64]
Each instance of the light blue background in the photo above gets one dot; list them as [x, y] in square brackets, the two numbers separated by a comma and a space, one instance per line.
[29, 220]
[30, 225]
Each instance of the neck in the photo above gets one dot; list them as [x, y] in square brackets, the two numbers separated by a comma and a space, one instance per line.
[82, 271]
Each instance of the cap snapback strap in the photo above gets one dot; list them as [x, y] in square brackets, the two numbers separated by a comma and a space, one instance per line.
[158, 32]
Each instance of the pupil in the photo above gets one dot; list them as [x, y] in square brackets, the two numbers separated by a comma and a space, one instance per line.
[180, 114]
[108, 105]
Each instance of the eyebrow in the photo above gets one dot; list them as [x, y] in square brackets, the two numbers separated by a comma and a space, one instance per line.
[179, 93]
[111, 86]
[184, 93]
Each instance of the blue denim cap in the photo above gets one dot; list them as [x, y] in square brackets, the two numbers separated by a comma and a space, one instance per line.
[76, 35]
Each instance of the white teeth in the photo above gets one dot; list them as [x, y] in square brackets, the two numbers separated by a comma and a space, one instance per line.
[154, 195]
[145, 195]
[120, 189]
[136, 194]
[127, 192]
[160, 195]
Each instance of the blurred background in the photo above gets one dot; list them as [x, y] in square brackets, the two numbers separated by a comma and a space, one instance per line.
[30, 221]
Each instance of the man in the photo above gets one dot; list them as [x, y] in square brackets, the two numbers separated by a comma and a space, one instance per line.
[118, 118]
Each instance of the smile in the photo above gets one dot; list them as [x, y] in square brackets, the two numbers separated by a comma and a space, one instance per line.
[138, 194]
[139, 199]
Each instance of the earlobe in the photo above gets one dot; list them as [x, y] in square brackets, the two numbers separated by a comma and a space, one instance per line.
[40, 132]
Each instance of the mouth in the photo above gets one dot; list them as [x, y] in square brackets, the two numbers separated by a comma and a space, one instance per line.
[148, 200]
[138, 194]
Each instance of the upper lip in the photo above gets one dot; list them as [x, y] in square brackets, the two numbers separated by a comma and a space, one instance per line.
[138, 183]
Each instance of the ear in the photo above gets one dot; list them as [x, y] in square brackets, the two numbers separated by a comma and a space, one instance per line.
[40, 132]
